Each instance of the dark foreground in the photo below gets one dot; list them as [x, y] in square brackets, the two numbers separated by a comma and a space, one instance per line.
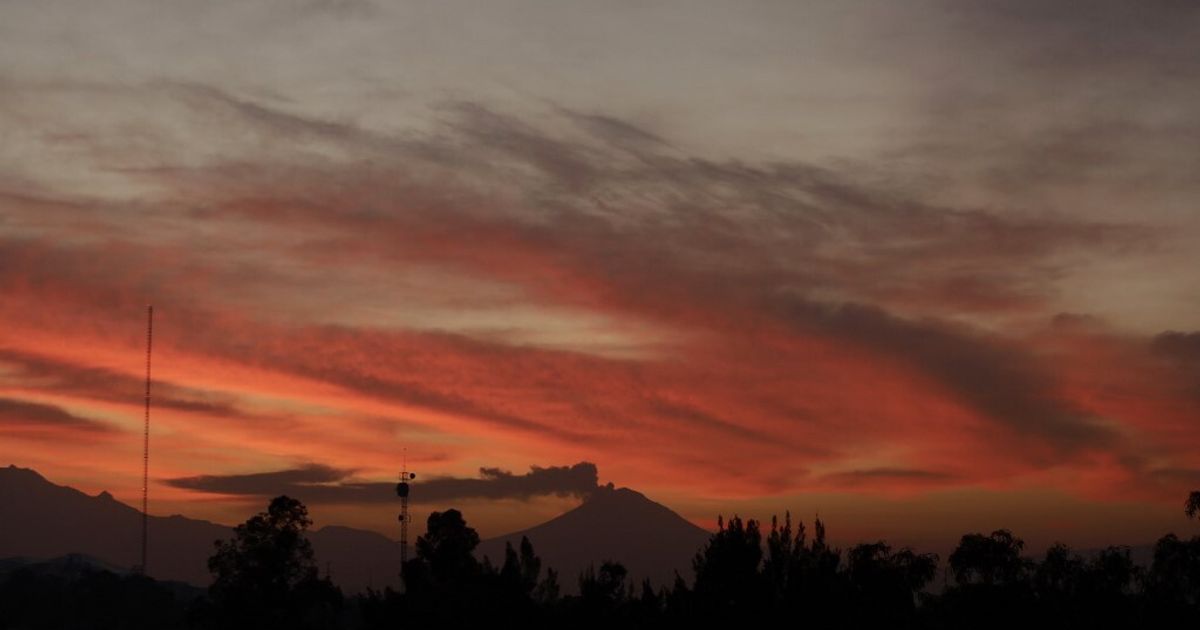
[267, 577]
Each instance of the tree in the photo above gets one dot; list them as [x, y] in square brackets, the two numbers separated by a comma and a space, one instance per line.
[446, 585]
[782, 565]
[1191, 507]
[603, 590]
[1174, 578]
[520, 572]
[885, 583]
[266, 574]
[1059, 575]
[727, 568]
[994, 586]
[547, 590]
[447, 549]
[990, 560]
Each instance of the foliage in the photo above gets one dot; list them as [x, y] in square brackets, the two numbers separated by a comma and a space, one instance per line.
[90, 598]
[266, 577]
[989, 560]
[266, 573]
[728, 578]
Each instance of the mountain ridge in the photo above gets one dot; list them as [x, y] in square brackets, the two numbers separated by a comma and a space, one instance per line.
[648, 538]
[43, 522]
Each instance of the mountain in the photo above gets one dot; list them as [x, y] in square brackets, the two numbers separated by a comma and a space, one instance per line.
[357, 558]
[74, 566]
[42, 520]
[70, 565]
[39, 519]
[612, 524]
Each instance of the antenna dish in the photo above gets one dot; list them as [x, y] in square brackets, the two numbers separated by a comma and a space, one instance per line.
[402, 489]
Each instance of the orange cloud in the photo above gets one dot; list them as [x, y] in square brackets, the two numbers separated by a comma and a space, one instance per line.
[766, 330]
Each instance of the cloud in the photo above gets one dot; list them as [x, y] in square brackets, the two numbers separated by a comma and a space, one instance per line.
[1184, 347]
[569, 284]
[30, 420]
[98, 383]
[1064, 121]
[1176, 476]
[875, 476]
[1001, 380]
[261, 484]
[323, 484]
[692, 418]
[578, 480]
[1182, 350]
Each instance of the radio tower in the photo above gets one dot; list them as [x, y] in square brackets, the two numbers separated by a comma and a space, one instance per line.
[402, 491]
[146, 440]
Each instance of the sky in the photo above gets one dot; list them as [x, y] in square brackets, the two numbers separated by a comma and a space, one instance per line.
[922, 268]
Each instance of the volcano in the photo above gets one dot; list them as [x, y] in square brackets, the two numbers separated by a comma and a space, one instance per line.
[618, 524]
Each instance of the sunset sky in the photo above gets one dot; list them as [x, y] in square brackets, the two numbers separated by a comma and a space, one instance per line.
[922, 267]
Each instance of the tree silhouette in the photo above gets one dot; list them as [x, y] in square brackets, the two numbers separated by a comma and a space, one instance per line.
[547, 590]
[86, 598]
[604, 588]
[266, 577]
[993, 583]
[727, 569]
[266, 573]
[884, 584]
[520, 571]
[802, 577]
[785, 550]
[1174, 578]
[820, 579]
[1191, 507]
[447, 584]
[447, 548]
[988, 560]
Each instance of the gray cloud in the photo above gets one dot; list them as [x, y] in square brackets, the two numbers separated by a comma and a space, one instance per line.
[1182, 350]
[779, 222]
[260, 484]
[112, 386]
[49, 421]
[1001, 380]
[868, 475]
[415, 394]
[662, 233]
[1078, 98]
[649, 232]
[322, 484]
[1178, 345]
[698, 418]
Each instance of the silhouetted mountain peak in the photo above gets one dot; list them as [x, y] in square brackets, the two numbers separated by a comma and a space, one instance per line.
[611, 524]
[13, 475]
[611, 493]
[627, 509]
[15, 481]
[41, 519]
[46, 520]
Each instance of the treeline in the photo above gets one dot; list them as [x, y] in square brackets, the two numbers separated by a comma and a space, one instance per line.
[266, 577]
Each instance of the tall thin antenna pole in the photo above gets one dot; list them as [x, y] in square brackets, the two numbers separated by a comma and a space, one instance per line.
[404, 515]
[146, 439]
[402, 490]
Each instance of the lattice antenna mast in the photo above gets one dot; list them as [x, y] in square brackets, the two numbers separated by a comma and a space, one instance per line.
[402, 490]
[146, 440]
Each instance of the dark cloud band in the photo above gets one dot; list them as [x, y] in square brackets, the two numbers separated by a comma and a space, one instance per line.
[24, 416]
[315, 483]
